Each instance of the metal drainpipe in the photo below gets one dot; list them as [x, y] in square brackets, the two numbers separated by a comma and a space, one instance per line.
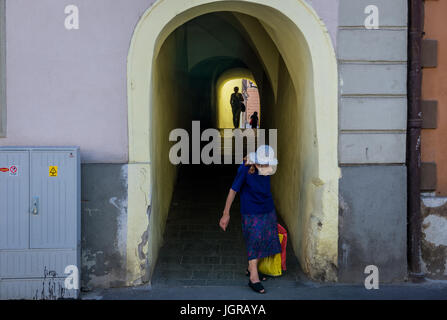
[415, 33]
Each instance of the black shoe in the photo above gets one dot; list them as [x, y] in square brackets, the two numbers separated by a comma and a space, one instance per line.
[257, 287]
[262, 276]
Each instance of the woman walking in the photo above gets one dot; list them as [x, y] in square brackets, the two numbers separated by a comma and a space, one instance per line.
[259, 221]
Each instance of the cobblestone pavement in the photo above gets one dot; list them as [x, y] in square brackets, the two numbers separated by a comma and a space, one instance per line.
[196, 251]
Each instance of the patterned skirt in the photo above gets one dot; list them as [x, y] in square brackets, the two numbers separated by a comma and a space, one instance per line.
[261, 235]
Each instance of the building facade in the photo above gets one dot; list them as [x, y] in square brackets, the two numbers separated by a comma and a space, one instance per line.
[434, 184]
[115, 77]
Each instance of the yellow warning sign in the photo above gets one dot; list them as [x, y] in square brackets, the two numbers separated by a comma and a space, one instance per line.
[52, 171]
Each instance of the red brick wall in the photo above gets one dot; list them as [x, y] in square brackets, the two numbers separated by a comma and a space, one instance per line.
[253, 103]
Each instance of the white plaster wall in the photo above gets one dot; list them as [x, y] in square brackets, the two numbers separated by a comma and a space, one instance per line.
[69, 87]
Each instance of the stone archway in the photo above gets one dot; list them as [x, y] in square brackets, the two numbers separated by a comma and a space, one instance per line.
[311, 206]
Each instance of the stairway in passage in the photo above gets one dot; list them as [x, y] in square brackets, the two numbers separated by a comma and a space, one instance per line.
[231, 151]
[196, 252]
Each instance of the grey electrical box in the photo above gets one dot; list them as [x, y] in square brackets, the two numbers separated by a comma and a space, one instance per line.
[40, 222]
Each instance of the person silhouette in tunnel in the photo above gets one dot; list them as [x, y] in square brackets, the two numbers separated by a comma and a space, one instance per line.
[236, 101]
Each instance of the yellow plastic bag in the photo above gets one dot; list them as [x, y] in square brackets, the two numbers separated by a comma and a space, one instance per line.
[271, 265]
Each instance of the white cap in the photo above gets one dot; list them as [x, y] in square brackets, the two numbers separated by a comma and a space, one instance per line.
[264, 155]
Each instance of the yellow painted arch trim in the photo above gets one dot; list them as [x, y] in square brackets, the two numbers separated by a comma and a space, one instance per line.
[286, 21]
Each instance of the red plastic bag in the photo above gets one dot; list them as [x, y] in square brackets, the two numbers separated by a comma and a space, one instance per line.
[283, 231]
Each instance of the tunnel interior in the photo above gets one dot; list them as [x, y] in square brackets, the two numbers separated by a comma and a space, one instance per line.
[188, 70]
[201, 54]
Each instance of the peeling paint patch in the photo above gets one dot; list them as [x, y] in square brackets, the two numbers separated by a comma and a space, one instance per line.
[318, 182]
[124, 176]
[142, 244]
[142, 255]
[104, 223]
[435, 229]
[90, 211]
[137, 247]
[88, 259]
[121, 205]
[435, 260]
[434, 237]
[434, 202]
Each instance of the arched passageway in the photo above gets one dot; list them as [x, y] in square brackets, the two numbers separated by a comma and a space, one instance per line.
[173, 74]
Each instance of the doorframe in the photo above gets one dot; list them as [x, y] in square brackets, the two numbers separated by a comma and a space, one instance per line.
[157, 23]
